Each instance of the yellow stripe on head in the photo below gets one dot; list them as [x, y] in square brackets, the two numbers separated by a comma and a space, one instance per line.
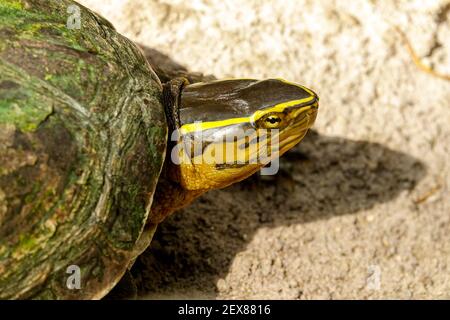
[200, 126]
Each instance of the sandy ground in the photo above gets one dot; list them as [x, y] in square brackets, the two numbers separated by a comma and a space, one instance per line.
[361, 208]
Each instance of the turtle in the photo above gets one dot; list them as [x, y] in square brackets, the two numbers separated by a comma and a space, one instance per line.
[97, 149]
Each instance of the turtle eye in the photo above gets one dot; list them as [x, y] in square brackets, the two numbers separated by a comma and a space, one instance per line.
[272, 121]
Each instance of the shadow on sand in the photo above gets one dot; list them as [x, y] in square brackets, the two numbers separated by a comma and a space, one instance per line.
[321, 178]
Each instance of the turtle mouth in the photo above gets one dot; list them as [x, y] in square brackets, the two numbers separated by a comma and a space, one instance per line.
[292, 135]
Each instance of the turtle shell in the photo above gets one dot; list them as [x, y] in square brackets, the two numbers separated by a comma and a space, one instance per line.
[82, 142]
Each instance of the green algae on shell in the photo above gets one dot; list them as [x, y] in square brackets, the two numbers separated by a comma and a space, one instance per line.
[81, 119]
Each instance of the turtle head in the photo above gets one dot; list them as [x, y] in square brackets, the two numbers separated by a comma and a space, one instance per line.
[229, 129]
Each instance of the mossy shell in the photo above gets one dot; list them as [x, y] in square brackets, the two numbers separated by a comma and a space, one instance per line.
[82, 141]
